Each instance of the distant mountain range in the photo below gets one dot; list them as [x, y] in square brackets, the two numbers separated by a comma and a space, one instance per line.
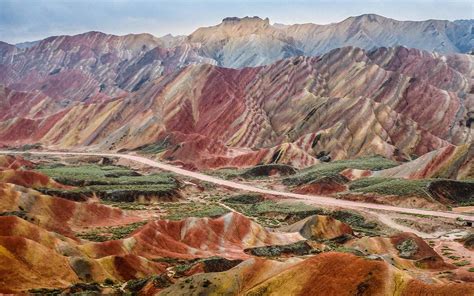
[366, 85]
[252, 41]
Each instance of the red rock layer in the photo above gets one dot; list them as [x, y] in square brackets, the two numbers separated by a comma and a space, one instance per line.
[347, 103]
[226, 236]
[315, 276]
[31, 257]
[453, 162]
[57, 214]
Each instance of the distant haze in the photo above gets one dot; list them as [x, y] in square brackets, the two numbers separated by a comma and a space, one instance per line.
[31, 20]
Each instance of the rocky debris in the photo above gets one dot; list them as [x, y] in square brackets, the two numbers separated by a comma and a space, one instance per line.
[295, 249]
[407, 248]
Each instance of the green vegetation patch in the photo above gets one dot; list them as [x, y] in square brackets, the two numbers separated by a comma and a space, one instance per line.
[274, 214]
[399, 187]
[111, 233]
[266, 170]
[226, 173]
[462, 263]
[181, 210]
[155, 148]
[108, 182]
[249, 198]
[87, 175]
[118, 193]
[327, 169]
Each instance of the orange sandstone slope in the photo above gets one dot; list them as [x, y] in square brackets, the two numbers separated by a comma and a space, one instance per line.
[31, 257]
[29, 179]
[348, 103]
[324, 274]
[226, 236]
[14, 170]
[58, 214]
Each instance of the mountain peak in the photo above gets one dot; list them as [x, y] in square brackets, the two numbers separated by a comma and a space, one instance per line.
[247, 19]
[369, 17]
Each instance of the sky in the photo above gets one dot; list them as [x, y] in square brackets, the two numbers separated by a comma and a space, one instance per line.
[29, 20]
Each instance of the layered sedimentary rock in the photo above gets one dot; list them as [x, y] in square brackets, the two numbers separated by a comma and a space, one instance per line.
[346, 103]
[450, 162]
[92, 66]
[226, 236]
[32, 257]
[356, 275]
[57, 214]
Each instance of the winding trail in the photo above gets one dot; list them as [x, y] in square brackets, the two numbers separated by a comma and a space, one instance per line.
[308, 199]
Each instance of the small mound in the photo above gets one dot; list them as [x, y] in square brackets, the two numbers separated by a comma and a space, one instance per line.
[319, 227]
[324, 185]
[405, 250]
[119, 268]
[413, 247]
[269, 170]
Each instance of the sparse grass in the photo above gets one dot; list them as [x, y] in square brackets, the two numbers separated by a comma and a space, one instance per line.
[332, 168]
[178, 211]
[273, 207]
[110, 233]
[108, 182]
[226, 173]
[249, 198]
[366, 182]
[85, 175]
[399, 187]
[273, 214]
[125, 193]
[131, 206]
[155, 148]
[462, 263]
[453, 257]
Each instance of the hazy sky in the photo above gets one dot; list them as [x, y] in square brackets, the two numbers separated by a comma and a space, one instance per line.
[26, 20]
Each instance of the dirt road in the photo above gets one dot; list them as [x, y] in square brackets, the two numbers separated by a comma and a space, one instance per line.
[308, 199]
